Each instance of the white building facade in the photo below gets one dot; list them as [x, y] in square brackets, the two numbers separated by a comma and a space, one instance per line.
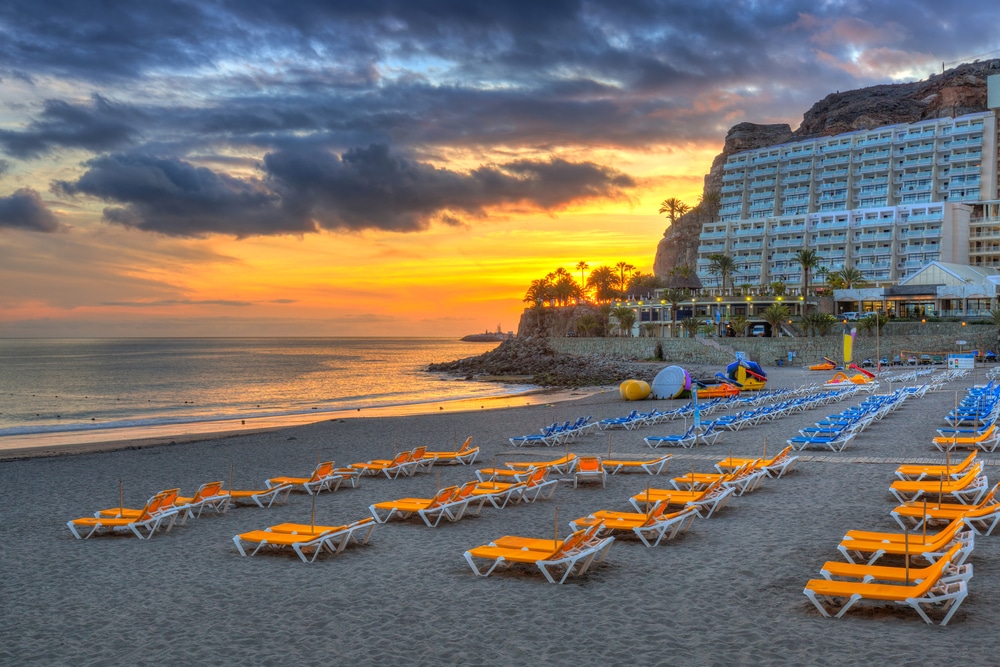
[886, 201]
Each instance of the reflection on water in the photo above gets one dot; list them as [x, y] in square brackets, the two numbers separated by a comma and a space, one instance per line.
[73, 385]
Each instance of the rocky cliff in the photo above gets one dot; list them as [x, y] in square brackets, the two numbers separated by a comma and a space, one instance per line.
[958, 91]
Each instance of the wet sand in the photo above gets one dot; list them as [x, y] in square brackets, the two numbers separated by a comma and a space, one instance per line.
[729, 592]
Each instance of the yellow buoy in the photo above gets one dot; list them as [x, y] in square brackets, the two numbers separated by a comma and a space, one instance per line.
[634, 390]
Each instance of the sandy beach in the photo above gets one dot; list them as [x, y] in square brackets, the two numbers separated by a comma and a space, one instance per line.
[728, 592]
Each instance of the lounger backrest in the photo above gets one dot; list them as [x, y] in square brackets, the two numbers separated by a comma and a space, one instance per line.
[588, 464]
[575, 540]
[782, 454]
[537, 476]
[444, 495]
[207, 490]
[324, 469]
[466, 446]
[970, 476]
[418, 453]
[655, 512]
[152, 506]
[969, 460]
[465, 491]
[401, 458]
[934, 572]
[169, 499]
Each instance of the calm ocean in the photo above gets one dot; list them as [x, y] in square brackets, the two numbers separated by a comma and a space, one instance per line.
[64, 385]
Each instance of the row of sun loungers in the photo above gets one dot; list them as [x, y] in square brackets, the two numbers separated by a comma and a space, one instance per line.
[972, 425]
[879, 565]
[708, 432]
[162, 510]
[556, 433]
[167, 508]
[837, 430]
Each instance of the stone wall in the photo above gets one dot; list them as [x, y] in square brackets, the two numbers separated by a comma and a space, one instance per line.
[931, 338]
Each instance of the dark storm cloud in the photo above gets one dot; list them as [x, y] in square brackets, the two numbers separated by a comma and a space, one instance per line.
[306, 83]
[25, 210]
[365, 188]
[370, 187]
[177, 198]
[97, 127]
[473, 73]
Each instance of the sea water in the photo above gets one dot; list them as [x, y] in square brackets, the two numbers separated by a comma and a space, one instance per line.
[52, 386]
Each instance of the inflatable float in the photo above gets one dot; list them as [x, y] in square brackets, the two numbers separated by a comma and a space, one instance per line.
[671, 382]
[634, 390]
[747, 374]
[826, 365]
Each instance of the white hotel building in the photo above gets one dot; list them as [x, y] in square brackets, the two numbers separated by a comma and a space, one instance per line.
[885, 201]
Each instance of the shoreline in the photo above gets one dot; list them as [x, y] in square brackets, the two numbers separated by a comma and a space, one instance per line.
[72, 443]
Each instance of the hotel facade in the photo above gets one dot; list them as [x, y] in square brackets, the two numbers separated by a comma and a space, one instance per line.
[887, 202]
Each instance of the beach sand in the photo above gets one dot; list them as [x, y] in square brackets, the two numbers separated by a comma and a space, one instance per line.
[729, 592]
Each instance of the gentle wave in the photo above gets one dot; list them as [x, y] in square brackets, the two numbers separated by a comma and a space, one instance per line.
[504, 390]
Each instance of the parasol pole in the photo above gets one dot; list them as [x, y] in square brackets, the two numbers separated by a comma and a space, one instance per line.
[906, 551]
[925, 518]
[121, 501]
[230, 502]
[555, 541]
[609, 445]
[312, 525]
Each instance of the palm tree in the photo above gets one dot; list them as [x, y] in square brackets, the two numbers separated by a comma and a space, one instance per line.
[709, 202]
[849, 278]
[565, 288]
[723, 266]
[808, 259]
[602, 283]
[674, 297]
[539, 292]
[587, 324]
[691, 326]
[604, 312]
[674, 208]
[775, 315]
[623, 268]
[581, 267]
[739, 325]
[626, 318]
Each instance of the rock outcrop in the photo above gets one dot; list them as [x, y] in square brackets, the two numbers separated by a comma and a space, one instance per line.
[533, 359]
[958, 91]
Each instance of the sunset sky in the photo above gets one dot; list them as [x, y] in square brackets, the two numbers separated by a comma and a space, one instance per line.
[388, 168]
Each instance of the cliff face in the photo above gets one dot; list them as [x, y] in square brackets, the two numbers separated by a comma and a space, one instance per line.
[956, 92]
[679, 245]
